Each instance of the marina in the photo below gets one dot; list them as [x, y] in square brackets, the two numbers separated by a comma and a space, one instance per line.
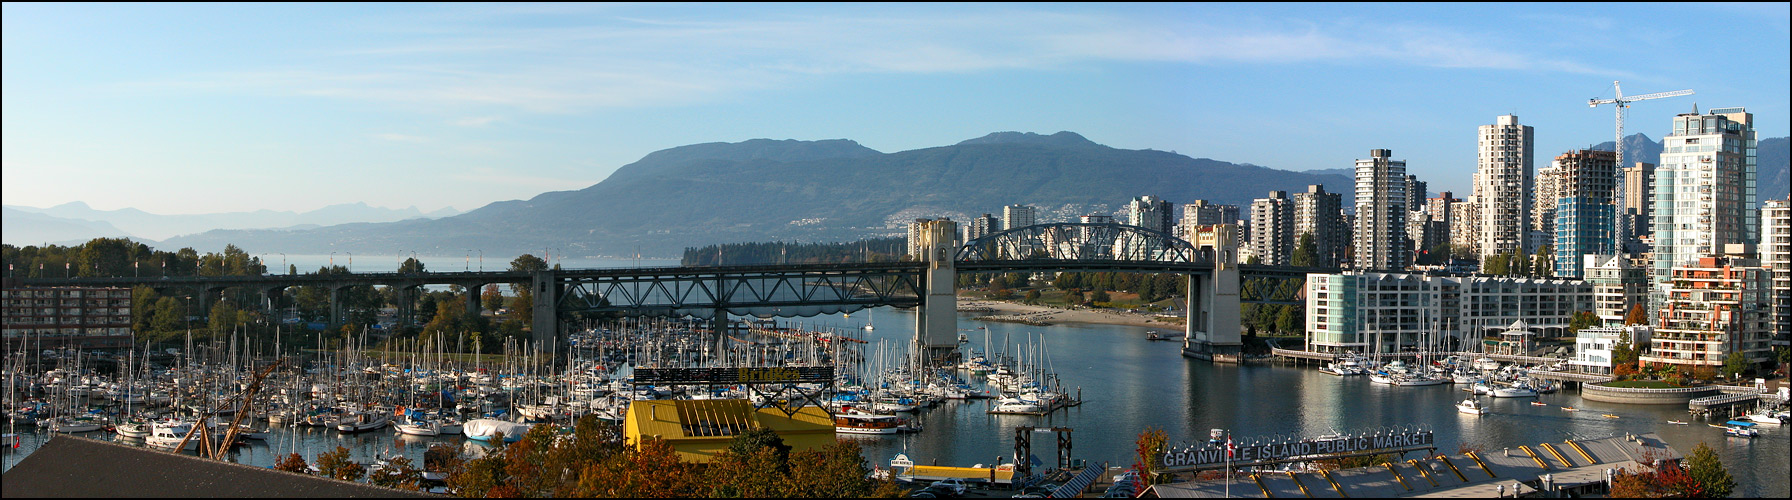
[1104, 364]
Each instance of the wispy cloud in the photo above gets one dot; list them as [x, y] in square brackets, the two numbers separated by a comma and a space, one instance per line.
[582, 61]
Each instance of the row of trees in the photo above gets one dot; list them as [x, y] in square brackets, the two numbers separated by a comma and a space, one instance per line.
[595, 462]
[1542, 264]
[778, 252]
[121, 257]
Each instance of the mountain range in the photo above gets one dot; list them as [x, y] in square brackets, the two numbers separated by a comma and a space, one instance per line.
[77, 222]
[826, 190]
[830, 190]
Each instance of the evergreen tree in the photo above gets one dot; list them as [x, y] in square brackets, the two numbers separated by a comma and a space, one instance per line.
[1708, 472]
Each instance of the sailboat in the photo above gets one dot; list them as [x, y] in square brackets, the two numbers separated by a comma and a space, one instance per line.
[870, 317]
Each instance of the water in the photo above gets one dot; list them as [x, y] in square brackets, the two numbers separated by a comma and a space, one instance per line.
[1129, 383]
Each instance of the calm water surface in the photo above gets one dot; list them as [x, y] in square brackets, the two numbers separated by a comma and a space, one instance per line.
[1129, 383]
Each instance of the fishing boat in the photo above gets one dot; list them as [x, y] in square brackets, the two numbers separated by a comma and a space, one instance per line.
[863, 423]
[1471, 407]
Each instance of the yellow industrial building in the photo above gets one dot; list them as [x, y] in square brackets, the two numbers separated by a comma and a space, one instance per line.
[699, 429]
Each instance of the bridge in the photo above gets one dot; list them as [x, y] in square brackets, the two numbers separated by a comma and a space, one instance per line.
[810, 289]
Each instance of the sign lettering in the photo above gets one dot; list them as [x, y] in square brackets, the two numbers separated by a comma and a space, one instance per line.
[1198, 456]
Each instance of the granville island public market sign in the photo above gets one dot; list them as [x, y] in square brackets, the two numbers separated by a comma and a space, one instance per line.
[1199, 456]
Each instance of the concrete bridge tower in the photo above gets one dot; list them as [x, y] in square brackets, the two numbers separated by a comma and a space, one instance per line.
[936, 324]
[1213, 304]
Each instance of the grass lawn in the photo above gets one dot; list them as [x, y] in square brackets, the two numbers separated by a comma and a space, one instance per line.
[1641, 384]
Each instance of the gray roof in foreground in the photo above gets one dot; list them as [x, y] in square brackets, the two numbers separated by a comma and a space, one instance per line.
[1454, 476]
[79, 467]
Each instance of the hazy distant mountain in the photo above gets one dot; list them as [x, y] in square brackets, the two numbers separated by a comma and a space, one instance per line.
[164, 226]
[1771, 161]
[799, 190]
[21, 228]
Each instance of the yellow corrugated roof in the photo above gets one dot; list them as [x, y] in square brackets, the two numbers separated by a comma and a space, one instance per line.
[710, 418]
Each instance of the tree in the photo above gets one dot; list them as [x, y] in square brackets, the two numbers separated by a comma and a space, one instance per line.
[1150, 445]
[1735, 364]
[1494, 264]
[336, 464]
[1306, 251]
[142, 315]
[398, 473]
[1254, 260]
[1582, 319]
[168, 315]
[410, 266]
[1707, 470]
[1636, 316]
[1100, 296]
[491, 298]
[1032, 297]
[1288, 320]
[292, 462]
[760, 437]
[223, 318]
[1543, 264]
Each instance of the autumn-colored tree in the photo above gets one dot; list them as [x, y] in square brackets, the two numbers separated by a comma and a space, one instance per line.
[1150, 446]
[836, 471]
[442, 458]
[758, 473]
[478, 478]
[651, 469]
[292, 462]
[398, 473]
[1636, 316]
[492, 298]
[336, 464]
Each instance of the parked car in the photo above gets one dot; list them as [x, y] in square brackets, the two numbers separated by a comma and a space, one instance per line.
[955, 485]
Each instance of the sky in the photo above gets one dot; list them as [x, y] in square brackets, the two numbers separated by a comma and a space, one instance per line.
[203, 108]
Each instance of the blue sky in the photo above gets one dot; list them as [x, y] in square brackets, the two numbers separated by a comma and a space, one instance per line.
[195, 108]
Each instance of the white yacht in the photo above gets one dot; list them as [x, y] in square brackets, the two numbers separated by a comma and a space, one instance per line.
[1471, 407]
[1514, 391]
[1015, 405]
[167, 435]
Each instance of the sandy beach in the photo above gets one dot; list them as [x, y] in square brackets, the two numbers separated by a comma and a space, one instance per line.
[1015, 312]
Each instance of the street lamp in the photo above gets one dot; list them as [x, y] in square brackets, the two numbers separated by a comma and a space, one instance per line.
[351, 262]
[332, 260]
[467, 263]
[283, 261]
[481, 258]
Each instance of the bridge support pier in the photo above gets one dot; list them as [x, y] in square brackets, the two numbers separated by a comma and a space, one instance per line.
[473, 298]
[545, 332]
[936, 324]
[335, 305]
[1213, 306]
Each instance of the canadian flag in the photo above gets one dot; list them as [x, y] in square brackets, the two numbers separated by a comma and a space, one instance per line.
[1229, 448]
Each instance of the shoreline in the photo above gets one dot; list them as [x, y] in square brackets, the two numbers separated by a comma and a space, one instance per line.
[1011, 312]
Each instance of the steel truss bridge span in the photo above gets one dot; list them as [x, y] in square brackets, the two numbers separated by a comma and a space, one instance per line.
[763, 291]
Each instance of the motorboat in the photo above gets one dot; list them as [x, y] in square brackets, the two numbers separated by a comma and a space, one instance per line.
[1015, 405]
[1381, 378]
[864, 423]
[1514, 391]
[1419, 379]
[1485, 364]
[1764, 417]
[1736, 428]
[168, 435]
[1471, 407]
[1481, 388]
